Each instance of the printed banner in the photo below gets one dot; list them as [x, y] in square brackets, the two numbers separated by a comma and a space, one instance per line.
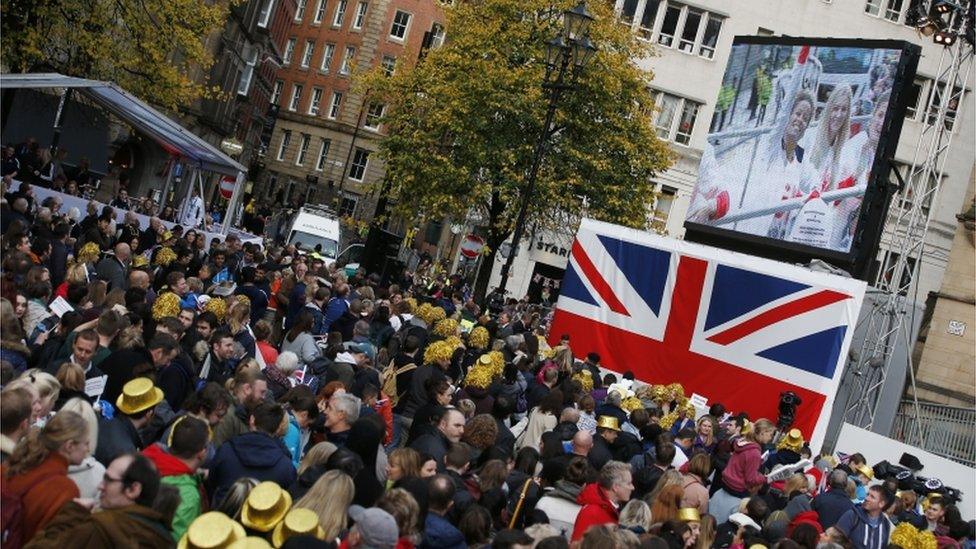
[737, 328]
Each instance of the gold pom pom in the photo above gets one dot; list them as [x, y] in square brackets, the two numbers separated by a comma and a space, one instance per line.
[446, 328]
[411, 304]
[438, 351]
[454, 341]
[164, 257]
[478, 338]
[167, 304]
[631, 403]
[218, 307]
[585, 378]
[668, 420]
[437, 314]
[479, 376]
[423, 313]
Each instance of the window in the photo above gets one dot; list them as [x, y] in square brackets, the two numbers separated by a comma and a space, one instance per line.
[938, 95]
[360, 19]
[662, 206]
[676, 117]
[347, 207]
[401, 21]
[670, 25]
[713, 26]
[323, 153]
[689, 113]
[914, 95]
[340, 13]
[627, 12]
[437, 35]
[296, 97]
[289, 51]
[265, 16]
[373, 115]
[250, 60]
[309, 52]
[320, 11]
[647, 19]
[327, 56]
[276, 94]
[335, 105]
[285, 138]
[888, 9]
[347, 60]
[358, 167]
[302, 149]
[692, 21]
[300, 10]
[313, 105]
[389, 64]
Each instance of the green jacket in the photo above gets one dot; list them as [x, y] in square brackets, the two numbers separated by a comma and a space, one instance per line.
[189, 507]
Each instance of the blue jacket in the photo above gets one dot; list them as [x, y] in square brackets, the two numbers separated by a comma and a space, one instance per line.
[334, 310]
[293, 440]
[441, 534]
[253, 454]
[318, 319]
[856, 525]
[830, 506]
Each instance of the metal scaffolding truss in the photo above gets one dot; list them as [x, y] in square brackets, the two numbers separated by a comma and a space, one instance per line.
[890, 322]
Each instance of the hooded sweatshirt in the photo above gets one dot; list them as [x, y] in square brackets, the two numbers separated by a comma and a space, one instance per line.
[863, 531]
[742, 472]
[596, 509]
[559, 504]
[176, 473]
[253, 454]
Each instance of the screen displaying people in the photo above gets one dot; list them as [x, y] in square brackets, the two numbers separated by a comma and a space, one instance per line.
[793, 140]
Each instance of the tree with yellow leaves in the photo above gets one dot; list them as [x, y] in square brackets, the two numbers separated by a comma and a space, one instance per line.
[151, 49]
[462, 124]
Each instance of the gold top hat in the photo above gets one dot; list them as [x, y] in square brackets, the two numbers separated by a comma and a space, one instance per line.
[138, 395]
[139, 261]
[298, 522]
[608, 422]
[865, 470]
[211, 531]
[792, 441]
[250, 542]
[484, 360]
[689, 514]
[265, 506]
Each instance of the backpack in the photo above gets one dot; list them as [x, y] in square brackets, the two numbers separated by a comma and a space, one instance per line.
[388, 381]
[12, 513]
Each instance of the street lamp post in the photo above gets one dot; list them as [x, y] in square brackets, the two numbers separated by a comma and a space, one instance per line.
[571, 47]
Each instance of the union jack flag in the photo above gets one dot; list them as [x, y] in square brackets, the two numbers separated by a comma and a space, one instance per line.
[731, 327]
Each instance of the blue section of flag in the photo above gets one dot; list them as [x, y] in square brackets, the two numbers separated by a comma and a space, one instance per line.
[816, 353]
[736, 292]
[645, 268]
[573, 287]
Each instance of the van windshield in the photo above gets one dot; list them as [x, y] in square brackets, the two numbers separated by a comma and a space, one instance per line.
[310, 241]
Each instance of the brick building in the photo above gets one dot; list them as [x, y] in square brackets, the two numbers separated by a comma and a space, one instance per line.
[324, 141]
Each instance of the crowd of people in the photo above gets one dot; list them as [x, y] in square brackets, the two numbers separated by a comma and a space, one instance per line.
[161, 391]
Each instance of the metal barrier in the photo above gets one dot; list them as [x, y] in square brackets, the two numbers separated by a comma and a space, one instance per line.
[948, 431]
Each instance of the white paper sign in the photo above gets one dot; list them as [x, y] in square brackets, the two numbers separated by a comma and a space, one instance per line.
[812, 225]
[698, 401]
[95, 386]
[60, 306]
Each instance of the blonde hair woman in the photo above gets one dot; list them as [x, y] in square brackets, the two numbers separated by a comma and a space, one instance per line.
[833, 131]
[48, 390]
[316, 455]
[330, 498]
[38, 469]
[636, 514]
[87, 474]
[403, 463]
[404, 508]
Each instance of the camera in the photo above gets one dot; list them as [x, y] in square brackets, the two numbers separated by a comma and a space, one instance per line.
[788, 401]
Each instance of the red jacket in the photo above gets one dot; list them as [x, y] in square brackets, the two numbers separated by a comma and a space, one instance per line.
[47, 496]
[597, 509]
[742, 473]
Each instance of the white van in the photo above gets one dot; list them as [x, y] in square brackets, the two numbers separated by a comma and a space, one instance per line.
[316, 227]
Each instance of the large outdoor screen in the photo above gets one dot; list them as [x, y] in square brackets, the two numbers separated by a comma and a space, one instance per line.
[798, 130]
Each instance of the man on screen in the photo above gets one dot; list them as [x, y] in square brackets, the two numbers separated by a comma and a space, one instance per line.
[778, 173]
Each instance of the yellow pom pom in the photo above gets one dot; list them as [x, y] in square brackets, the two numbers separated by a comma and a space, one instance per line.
[446, 328]
[478, 338]
[585, 378]
[438, 351]
[479, 376]
[166, 305]
[411, 304]
[218, 307]
[668, 420]
[437, 314]
[631, 403]
[454, 341]
[164, 257]
[89, 253]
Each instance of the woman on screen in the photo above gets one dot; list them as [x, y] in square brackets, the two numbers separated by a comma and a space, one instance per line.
[832, 134]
